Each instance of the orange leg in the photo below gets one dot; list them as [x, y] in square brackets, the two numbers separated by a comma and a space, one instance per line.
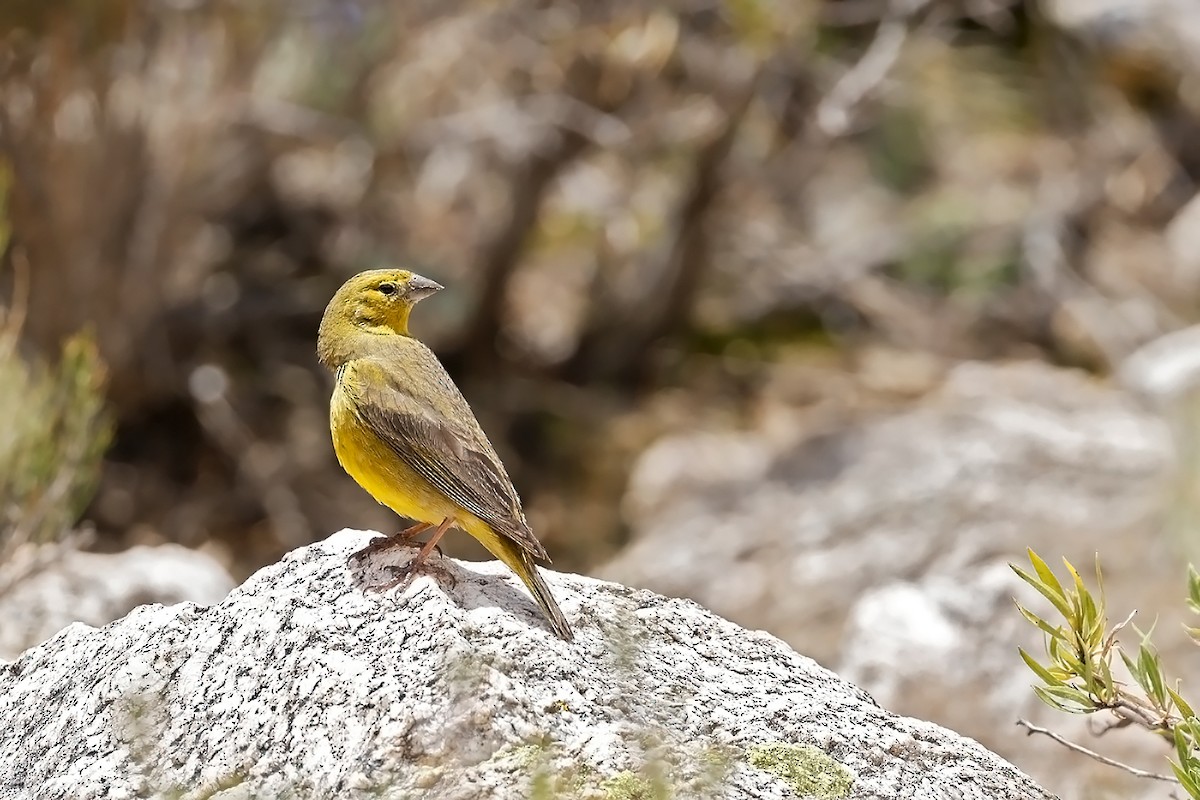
[401, 576]
[402, 539]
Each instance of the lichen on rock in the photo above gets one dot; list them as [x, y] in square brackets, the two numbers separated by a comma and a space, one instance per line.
[807, 770]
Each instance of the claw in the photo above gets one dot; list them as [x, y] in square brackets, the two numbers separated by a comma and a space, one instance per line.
[381, 543]
[402, 576]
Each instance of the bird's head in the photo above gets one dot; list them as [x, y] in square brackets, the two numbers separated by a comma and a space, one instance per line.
[376, 301]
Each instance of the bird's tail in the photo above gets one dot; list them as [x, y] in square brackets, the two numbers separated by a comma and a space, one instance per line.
[521, 563]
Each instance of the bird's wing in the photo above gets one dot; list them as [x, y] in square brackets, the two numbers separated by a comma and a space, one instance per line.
[407, 409]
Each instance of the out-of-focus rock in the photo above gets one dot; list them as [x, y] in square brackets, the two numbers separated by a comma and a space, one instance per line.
[96, 588]
[1165, 369]
[999, 458]
[882, 547]
[1183, 239]
[932, 624]
[1168, 29]
[302, 684]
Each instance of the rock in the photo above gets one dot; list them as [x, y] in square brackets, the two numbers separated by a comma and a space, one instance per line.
[1182, 237]
[96, 588]
[999, 459]
[1166, 369]
[1166, 29]
[881, 547]
[302, 684]
[929, 624]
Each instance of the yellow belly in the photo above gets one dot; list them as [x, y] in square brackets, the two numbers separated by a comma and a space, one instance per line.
[389, 480]
[377, 468]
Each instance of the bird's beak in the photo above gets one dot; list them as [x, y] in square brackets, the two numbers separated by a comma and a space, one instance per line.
[419, 288]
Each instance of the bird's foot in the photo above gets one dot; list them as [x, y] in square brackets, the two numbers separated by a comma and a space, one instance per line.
[403, 575]
[378, 545]
[400, 576]
[382, 544]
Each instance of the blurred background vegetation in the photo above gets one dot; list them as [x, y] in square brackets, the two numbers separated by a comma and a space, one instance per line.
[647, 217]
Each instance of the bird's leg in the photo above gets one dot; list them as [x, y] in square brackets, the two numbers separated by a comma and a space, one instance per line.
[403, 538]
[401, 576]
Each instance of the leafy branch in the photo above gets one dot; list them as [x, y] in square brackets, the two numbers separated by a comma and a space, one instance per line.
[1077, 674]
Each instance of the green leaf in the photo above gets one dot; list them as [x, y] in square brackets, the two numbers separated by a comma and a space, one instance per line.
[1186, 781]
[1043, 571]
[1066, 698]
[1184, 707]
[1044, 626]
[1069, 662]
[1193, 589]
[1095, 626]
[1054, 703]
[1039, 670]
[1080, 588]
[1149, 663]
[1132, 666]
[1089, 618]
[1051, 590]
[1108, 685]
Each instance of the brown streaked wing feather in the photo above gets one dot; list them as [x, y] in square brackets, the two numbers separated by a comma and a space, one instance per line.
[453, 456]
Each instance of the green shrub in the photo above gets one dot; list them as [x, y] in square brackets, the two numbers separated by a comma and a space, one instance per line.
[1077, 673]
[52, 440]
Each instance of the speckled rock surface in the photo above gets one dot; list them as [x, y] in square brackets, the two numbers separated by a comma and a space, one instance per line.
[96, 588]
[300, 684]
[880, 546]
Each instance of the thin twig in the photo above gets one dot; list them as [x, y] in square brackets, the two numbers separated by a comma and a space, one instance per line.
[835, 113]
[278, 500]
[1120, 626]
[619, 344]
[558, 151]
[1138, 773]
[1127, 706]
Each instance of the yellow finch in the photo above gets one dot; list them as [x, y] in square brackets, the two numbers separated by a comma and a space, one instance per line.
[402, 430]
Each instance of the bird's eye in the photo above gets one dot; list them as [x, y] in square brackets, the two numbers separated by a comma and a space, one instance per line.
[387, 288]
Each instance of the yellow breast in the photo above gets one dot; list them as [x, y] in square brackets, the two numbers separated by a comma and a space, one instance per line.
[378, 469]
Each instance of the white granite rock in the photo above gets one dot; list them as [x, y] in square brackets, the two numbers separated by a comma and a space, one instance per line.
[880, 547]
[97, 588]
[302, 684]
[1165, 370]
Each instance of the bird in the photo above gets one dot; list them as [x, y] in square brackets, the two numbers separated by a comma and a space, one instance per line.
[405, 433]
